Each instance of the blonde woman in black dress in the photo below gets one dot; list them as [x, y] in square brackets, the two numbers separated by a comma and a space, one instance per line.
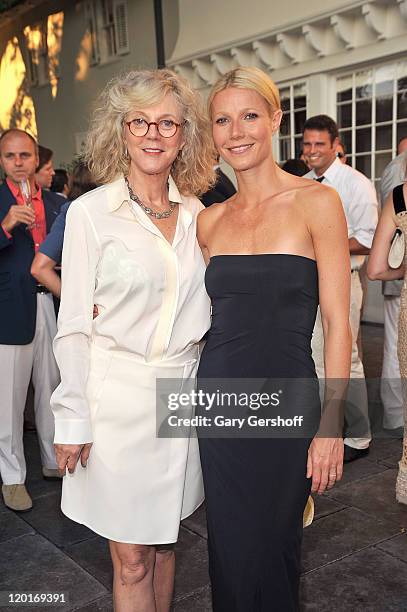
[274, 251]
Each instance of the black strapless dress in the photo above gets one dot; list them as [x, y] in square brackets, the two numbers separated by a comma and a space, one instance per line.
[264, 309]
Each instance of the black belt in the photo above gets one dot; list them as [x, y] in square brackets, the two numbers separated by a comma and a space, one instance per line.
[42, 289]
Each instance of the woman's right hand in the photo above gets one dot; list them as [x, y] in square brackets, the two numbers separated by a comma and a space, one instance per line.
[67, 456]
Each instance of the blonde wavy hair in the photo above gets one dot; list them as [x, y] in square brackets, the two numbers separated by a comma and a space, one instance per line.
[105, 151]
[248, 78]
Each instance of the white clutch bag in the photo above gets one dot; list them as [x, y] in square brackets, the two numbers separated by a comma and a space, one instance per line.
[397, 250]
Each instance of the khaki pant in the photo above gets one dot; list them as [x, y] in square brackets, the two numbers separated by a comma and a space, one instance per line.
[356, 412]
[390, 387]
[18, 364]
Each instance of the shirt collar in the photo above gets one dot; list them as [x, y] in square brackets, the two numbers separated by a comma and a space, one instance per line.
[15, 190]
[118, 194]
[331, 172]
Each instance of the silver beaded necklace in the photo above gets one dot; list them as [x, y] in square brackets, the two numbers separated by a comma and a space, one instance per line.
[149, 211]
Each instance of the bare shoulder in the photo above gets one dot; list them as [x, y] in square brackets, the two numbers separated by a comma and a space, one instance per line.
[291, 183]
[207, 219]
[319, 200]
[211, 214]
[388, 209]
[299, 188]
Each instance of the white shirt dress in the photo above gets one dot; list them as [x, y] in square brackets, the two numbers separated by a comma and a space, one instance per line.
[153, 311]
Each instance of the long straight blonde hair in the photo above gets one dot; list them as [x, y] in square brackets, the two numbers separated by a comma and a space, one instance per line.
[105, 152]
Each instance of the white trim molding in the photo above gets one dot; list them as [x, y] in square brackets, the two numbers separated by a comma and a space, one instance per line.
[355, 34]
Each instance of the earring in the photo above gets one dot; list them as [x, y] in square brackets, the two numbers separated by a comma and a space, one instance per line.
[126, 152]
[177, 159]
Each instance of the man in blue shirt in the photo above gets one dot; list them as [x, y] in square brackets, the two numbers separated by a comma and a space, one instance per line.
[49, 255]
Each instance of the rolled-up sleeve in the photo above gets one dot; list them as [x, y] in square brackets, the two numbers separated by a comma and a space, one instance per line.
[52, 245]
[80, 257]
[362, 213]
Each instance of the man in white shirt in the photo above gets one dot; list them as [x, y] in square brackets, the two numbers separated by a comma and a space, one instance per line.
[320, 141]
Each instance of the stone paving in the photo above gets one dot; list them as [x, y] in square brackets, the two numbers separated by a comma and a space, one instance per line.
[354, 554]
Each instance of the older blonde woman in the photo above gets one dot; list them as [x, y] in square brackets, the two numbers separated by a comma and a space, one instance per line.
[130, 249]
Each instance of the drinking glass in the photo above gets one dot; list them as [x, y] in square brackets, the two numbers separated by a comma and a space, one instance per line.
[25, 190]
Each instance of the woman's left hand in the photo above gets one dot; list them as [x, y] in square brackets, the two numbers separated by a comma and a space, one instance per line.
[325, 463]
[67, 456]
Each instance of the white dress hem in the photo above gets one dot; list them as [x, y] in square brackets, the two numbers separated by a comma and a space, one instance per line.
[104, 535]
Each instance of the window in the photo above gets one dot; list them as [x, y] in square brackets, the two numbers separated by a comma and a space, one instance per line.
[43, 45]
[91, 21]
[294, 106]
[107, 27]
[36, 42]
[16, 104]
[55, 28]
[372, 115]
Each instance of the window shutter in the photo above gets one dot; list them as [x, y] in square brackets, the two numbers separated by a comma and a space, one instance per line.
[92, 26]
[122, 34]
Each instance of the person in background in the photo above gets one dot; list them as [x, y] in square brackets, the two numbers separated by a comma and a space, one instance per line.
[341, 152]
[390, 384]
[304, 159]
[402, 145]
[50, 251]
[394, 217]
[45, 169]
[27, 318]
[221, 191]
[394, 174]
[298, 167]
[320, 142]
[60, 182]
[45, 172]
